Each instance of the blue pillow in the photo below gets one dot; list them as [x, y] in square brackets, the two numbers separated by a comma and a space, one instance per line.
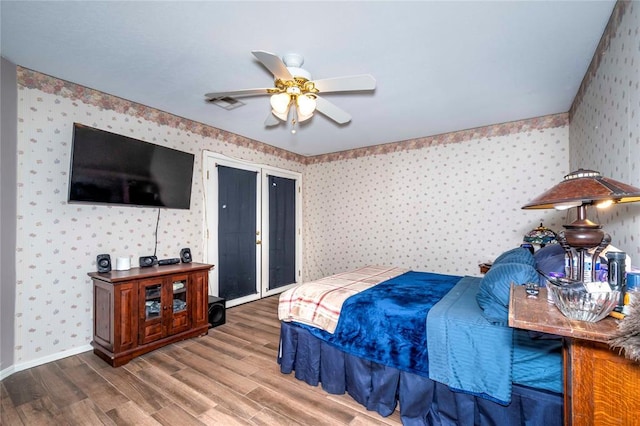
[516, 255]
[548, 251]
[493, 295]
[549, 259]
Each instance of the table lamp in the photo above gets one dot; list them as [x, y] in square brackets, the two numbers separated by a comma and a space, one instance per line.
[540, 236]
[580, 189]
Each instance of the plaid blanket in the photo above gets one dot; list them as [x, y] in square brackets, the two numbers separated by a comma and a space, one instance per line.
[318, 303]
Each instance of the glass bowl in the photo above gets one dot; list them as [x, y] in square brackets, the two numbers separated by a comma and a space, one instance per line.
[576, 303]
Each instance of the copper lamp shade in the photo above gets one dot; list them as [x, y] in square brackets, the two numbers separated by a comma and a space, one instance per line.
[580, 189]
[586, 187]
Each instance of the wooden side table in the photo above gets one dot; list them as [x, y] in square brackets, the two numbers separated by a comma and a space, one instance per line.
[484, 267]
[601, 387]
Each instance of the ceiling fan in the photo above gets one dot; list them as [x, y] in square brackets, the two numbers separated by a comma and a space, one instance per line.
[295, 96]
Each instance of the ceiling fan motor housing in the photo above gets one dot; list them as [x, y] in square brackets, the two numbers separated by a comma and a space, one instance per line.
[294, 62]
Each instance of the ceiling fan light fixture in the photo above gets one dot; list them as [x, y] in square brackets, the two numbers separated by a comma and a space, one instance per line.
[282, 116]
[306, 105]
[302, 117]
[297, 115]
[280, 103]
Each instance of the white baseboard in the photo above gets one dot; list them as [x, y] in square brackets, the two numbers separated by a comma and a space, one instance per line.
[46, 359]
[7, 372]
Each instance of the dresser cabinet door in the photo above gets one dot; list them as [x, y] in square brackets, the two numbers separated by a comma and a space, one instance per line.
[165, 306]
[115, 326]
[152, 310]
[126, 302]
[179, 288]
[604, 386]
[199, 297]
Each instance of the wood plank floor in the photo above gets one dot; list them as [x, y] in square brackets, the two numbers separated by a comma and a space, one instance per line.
[229, 377]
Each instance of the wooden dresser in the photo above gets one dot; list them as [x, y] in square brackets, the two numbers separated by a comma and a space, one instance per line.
[142, 309]
[601, 387]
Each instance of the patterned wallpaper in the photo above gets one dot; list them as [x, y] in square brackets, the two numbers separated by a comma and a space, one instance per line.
[605, 123]
[57, 242]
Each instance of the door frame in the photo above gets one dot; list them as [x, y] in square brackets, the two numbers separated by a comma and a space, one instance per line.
[210, 225]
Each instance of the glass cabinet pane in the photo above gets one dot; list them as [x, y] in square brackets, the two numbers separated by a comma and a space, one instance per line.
[152, 301]
[179, 295]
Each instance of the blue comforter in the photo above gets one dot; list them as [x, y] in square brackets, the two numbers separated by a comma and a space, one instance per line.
[468, 353]
[387, 323]
[457, 346]
[471, 355]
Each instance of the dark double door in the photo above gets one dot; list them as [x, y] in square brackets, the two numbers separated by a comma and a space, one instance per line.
[256, 232]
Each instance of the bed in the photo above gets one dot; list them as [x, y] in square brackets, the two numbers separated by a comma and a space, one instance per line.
[435, 347]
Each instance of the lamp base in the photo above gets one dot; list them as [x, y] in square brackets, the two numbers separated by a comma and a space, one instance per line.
[583, 233]
[577, 251]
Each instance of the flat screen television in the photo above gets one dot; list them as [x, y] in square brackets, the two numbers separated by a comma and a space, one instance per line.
[107, 168]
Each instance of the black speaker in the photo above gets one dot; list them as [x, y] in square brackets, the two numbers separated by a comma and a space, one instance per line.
[146, 261]
[104, 263]
[185, 255]
[217, 312]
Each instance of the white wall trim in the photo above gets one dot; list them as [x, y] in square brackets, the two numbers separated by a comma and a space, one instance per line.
[7, 372]
[44, 360]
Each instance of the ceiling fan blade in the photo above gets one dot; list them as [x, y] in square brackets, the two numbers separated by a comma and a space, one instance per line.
[271, 120]
[273, 64]
[346, 84]
[327, 108]
[237, 93]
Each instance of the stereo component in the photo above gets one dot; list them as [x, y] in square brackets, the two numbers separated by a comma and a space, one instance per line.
[185, 255]
[146, 261]
[171, 261]
[104, 263]
[217, 311]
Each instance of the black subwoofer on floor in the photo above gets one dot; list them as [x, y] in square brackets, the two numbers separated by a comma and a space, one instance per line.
[217, 315]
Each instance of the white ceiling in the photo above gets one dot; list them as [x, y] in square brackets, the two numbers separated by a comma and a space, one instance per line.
[440, 66]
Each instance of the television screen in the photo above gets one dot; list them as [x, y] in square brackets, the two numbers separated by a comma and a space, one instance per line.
[114, 169]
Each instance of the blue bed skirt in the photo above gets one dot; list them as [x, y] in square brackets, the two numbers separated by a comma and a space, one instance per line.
[421, 400]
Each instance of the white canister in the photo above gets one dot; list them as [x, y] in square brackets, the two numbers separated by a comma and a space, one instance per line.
[123, 263]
